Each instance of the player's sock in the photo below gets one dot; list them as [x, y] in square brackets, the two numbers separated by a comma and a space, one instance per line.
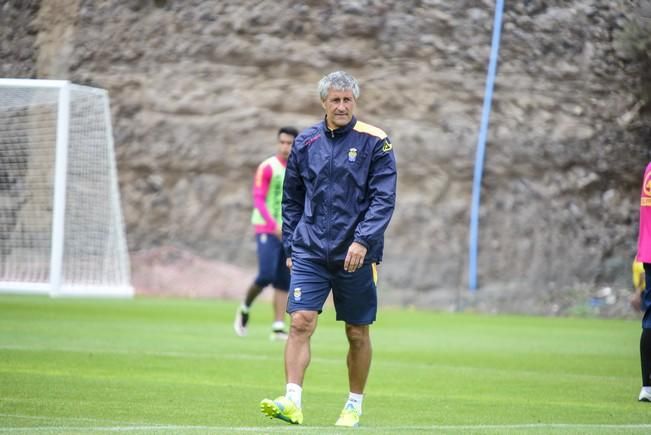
[645, 357]
[355, 400]
[278, 326]
[293, 393]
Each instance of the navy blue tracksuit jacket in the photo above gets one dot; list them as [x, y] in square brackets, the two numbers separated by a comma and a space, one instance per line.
[340, 187]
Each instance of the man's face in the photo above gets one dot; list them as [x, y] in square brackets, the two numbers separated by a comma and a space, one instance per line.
[339, 107]
[285, 142]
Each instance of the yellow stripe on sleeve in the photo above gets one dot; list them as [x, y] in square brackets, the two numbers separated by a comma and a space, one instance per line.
[363, 127]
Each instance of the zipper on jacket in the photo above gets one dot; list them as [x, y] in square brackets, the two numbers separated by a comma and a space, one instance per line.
[329, 208]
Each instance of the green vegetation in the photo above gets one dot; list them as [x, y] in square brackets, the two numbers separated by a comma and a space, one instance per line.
[175, 366]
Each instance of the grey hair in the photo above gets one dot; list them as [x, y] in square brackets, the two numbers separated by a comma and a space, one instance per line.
[340, 81]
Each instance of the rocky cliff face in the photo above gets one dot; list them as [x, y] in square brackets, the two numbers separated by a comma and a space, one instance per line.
[199, 88]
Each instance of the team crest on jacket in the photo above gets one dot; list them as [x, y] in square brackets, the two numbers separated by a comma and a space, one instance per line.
[387, 146]
[352, 154]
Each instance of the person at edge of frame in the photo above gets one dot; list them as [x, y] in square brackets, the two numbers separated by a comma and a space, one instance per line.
[644, 256]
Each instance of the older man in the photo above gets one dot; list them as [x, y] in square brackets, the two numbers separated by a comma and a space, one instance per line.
[339, 195]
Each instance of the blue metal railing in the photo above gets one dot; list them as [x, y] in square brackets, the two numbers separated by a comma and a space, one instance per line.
[481, 147]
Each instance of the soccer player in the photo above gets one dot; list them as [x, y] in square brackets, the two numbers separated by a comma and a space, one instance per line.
[339, 195]
[267, 222]
[644, 255]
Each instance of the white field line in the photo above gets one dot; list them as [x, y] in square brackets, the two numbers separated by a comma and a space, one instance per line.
[122, 426]
[325, 429]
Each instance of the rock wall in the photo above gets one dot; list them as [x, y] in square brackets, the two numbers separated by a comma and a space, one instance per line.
[199, 89]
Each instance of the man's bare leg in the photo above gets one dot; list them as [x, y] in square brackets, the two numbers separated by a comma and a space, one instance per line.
[359, 364]
[359, 356]
[280, 305]
[297, 350]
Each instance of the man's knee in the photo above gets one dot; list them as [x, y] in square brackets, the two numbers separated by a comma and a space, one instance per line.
[303, 323]
[358, 336]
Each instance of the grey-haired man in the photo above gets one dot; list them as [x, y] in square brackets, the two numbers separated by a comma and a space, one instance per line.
[338, 197]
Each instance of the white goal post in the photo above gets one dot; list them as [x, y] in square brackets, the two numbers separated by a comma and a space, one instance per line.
[61, 226]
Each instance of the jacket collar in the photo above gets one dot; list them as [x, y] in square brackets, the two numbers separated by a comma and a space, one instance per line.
[341, 130]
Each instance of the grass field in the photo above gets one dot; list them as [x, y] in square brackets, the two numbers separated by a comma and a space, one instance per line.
[175, 366]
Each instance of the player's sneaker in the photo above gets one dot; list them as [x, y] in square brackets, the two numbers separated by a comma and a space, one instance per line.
[644, 396]
[283, 409]
[278, 335]
[349, 416]
[241, 319]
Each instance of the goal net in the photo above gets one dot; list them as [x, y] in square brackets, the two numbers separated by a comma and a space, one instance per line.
[61, 226]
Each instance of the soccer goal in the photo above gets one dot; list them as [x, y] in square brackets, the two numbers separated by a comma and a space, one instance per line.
[61, 226]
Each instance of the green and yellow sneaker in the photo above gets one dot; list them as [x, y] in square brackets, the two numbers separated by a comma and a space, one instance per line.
[349, 416]
[282, 408]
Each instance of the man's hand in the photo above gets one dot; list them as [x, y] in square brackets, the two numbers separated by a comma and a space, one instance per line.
[278, 232]
[355, 257]
[288, 262]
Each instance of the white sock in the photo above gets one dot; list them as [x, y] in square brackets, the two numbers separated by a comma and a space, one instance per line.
[244, 308]
[294, 393]
[355, 400]
[278, 325]
[647, 389]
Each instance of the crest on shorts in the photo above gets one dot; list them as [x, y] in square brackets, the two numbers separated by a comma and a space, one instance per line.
[297, 294]
[352, 154]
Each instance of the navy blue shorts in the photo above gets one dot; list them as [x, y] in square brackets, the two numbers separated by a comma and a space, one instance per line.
[354, 294]
[272, 263]
[646, 297]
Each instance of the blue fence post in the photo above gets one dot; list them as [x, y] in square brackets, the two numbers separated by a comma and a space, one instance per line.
[481, 147]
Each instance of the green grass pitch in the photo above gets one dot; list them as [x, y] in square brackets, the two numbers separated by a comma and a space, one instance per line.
[174, 366]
